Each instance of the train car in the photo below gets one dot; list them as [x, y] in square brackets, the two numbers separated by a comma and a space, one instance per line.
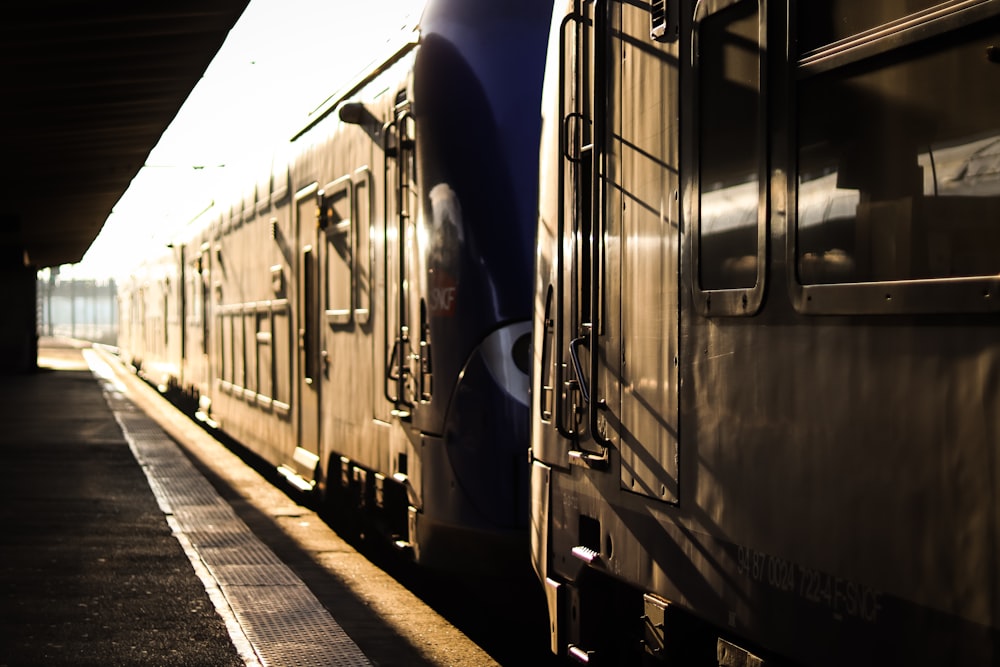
[149, 327]
[360, 315]
[163, 315]
[766, 352]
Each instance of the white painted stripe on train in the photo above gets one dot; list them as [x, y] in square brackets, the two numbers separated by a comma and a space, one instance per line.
[272, 617]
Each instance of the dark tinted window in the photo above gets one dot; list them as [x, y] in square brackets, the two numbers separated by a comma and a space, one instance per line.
[899, 164]
[729, 146]
[823, 22]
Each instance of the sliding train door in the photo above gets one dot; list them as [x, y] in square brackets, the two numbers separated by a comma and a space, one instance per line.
[612, 328]
[645, 153]
[307, 409]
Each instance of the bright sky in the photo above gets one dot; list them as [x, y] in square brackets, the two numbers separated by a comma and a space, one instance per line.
[282, 59]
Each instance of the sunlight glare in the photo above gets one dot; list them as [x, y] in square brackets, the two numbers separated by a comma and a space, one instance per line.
[281, 60]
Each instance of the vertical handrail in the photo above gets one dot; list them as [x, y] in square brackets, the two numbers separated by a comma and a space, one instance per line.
[559, 407]
[586, 153]
[387, 130]
[397, 362]
[599, 139]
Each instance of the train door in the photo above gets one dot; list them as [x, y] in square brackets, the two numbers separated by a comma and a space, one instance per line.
[309, 363]
[398, 386]
[645, 116]
[615, 334]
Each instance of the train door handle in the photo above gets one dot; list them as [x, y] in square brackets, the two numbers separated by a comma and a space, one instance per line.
[592, 460]
[574, 355]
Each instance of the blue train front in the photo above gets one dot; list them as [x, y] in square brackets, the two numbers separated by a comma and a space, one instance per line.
[476, 94]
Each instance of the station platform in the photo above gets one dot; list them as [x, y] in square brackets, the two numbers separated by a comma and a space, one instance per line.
[115, 549]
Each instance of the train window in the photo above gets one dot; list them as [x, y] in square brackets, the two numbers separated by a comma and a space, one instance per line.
[280, 183]
[250, 349]
[362, 255]
[204, 295]
[899, 164]
[730, 243]
[193, 311]
[166, 315]
[225, 348]
[823, 22]
[308, 308]
[264, 356]
[239, 349]
[282, 351]
[263, 189]
[335, 220]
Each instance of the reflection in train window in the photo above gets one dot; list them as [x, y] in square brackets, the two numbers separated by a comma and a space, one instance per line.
[899, 164]
[729, 147]
[822, 22]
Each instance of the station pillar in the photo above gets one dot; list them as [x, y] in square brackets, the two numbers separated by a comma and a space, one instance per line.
[18, 325]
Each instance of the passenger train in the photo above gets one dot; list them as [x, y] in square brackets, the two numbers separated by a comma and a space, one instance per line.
[754, 419]
[765, 403]
[359, 315]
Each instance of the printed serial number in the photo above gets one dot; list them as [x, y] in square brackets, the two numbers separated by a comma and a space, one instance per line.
[842, 597]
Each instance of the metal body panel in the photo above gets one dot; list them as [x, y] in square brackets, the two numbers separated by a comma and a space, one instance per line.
[646, 146]
[835, 468]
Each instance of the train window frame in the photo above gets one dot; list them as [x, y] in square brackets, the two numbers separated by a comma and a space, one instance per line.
[250, 361]
[280, 184]
[363, 182]
[239, 348]
[225, 366]
[264, 324]
[263, 190]
[236, 215]
[934, 295]
[250, 203]
[282, 348]
[728, 301]
[341, 232]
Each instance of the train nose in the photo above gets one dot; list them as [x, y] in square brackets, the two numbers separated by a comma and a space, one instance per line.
[507, 357]
[487, 434]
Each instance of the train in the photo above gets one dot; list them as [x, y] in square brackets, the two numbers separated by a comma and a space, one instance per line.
[765, 408]
[358, 313]
[692, 305]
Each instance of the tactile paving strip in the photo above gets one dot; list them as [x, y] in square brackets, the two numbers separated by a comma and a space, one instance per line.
[283, 621]
[267, 612]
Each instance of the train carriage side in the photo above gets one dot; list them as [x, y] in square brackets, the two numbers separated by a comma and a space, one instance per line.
[130, 319]
[151, 321]
[765, 397]
[367, 306]
[188, 254]
[338, 242]
[245, 328]
[422, 253]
